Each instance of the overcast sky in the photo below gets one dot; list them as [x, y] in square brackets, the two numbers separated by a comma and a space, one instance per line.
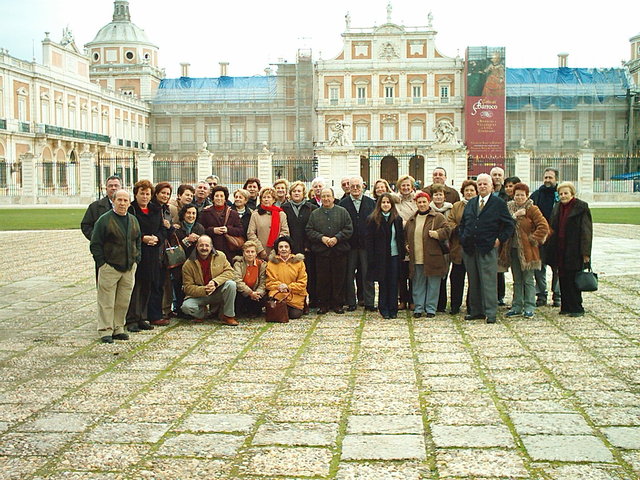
[251, 34]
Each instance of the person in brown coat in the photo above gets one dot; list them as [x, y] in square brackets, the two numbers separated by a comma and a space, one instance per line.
[521, 252]
[220, 220]
[267, 223]
[427, 263]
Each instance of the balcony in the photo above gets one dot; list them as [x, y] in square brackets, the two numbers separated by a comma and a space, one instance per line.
[3, 124]
[24, 127]
[67, 132]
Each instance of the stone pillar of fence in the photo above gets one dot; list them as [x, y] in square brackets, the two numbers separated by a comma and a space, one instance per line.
[29, 178]
[87, 177]
[265, 167]
[460, 169]
[145, 166]
[522, 159]
[205, 163]
[585, 171]
[337, 162]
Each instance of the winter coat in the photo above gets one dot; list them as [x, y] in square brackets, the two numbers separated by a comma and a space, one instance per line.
[407, 206]
[530, 233]
[435, 263]
[578, 240]
[244, 219]
[94, 211]
[150, 224]
[451, 195]
[260, 226]
[111, 244]
[299, 241]
[240, 268]
[210, 218]
[193, 280]
[480, 229]
[293, 273]
[455, 215]
[378, 245]
[329, 222]
[181, 234]
[358, 219]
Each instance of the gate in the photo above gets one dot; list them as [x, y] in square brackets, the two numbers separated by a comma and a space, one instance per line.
[125, 167]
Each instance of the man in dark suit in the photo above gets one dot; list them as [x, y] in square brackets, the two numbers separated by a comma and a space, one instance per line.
[97, 208]
[359, 207]
[485, 224]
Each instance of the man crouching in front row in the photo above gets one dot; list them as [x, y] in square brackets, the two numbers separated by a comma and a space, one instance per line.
[208, 279]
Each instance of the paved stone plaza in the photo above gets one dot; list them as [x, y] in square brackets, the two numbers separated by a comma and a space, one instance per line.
[340, 396]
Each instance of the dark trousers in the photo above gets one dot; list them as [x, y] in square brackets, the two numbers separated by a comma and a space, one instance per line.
[388, 289]
[501, 287]
[442, 296]
[458, 272]
[570, 296]
[154, 308]
[330, 285]
[176, 281]
[310, 265]
[248, 306]
[404, 284]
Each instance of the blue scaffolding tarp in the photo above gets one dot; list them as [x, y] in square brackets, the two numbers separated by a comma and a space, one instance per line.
[217, 90]
[564, 88]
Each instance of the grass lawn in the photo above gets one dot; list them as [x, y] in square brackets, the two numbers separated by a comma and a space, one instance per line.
[40, 218]
[616, 215]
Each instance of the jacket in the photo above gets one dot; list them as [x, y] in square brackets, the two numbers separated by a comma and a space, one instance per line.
[150, 224]
[260, 226]
[530, 233]
[240, 269]
[479, 230]
[244, 219]
[329, 222]
[578, 241]
[299, 241]
[455, 216]
[111, 244]
[435, 263]
[210, 218]
[378, 245]
[192, 278]
[293, 273]
[407, 206]
[94, 211]
[451, 195]
[358, 219]
[181, 234]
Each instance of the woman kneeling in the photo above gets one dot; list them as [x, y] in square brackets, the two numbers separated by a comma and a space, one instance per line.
[250, 281]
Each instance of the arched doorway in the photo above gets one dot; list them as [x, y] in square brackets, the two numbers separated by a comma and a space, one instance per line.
[416, 168]
[364, 169]
[389, 169]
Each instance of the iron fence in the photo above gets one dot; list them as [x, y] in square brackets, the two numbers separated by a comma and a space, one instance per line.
[10, 178]
[124, 167]
[234, 170]
[295, 168]
[176, 172]
[58, 178]
[616, 174]
[567, 168]
[478, 165]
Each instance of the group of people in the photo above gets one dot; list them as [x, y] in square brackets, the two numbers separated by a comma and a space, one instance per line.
[204, 252]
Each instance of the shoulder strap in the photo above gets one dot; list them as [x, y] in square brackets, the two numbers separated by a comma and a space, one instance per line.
[226, 215]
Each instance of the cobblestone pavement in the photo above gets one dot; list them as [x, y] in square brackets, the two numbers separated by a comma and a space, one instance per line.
[346, 397]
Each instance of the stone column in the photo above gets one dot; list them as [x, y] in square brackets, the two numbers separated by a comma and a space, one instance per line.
[460, 169]
[337, 162]
[265, 167]
[585, 171]
[205, 162]
[88, 177]
[523, 166]
[29, 178]
[145, 166]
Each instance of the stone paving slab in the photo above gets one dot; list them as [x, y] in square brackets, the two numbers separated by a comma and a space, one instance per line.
[348, 396]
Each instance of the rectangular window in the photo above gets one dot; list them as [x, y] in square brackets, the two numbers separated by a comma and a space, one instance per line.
[22, 109]
[361, 93]
[44, 112]
[597, 130]
[416, 131]
[416, 93]
[72, 118]
[105, 124]
[213, 134]
[362, 133]
[444, 93]
[59, 122]
[388, 94]
[389, 131]
[544, 131]
[515, 131]
[570, 131]
[83, 121]
[333, 95]
[187, 134]
[237, 134]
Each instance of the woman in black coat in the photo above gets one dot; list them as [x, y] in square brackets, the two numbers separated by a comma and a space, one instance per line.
[569, 246]
[149, 215]
[187, 233]
[385, 250]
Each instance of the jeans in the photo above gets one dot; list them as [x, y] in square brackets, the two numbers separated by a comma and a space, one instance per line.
[425, 290]
[524, 291]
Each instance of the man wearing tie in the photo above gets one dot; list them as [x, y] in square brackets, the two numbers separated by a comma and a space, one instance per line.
[485, 224]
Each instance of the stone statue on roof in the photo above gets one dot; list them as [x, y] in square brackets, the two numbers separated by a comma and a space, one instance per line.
[67, 36]
[347, 21]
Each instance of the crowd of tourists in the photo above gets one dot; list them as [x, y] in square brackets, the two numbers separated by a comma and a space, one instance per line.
[278, 250]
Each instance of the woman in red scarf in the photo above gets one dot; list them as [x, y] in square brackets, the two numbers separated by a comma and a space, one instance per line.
[219, 220]
[267, 223]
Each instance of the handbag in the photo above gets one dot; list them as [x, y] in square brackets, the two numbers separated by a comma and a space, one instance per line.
[444, 244]
[277, 311]
[586, 280]
[234, 243]
[174, 255]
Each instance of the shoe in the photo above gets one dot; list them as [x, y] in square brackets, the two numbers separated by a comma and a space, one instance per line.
[106, 339]
[454, 311]
[562, 312]
[386, 317]
[576, 314]
[556, 303]
[412, 306]
[133, 328]
[322, 310]
[393, 315]
[431, 315]
[402, 305]
[541, 302]
[491, 319]
[173, 314]
[352, 308]
[338, 310]
[474, 317]
[417, 314]
[441, 310]
[144, 325]
[501, 303]
[370, 308]
[232, 322]
[527, 314]
[163, 322]
[198, 320]
[512, 313]
[121, 336]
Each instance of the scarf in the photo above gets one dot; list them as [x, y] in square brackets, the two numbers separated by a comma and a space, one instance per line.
[275, 223]
[446, 206]
[188, 227]
[296, 207]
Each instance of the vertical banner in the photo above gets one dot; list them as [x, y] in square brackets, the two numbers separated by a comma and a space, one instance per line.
[485, 108]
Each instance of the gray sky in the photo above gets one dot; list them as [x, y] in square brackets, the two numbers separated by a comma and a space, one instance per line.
[252, 34]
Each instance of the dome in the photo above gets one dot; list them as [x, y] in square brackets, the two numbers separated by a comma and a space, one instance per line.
[121, 30]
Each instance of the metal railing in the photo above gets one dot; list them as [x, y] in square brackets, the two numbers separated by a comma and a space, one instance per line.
[176, 172]
[10, 179]
[68, 132]
[234, 170]
[566, 166]
[616, 174]
[58, 178]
